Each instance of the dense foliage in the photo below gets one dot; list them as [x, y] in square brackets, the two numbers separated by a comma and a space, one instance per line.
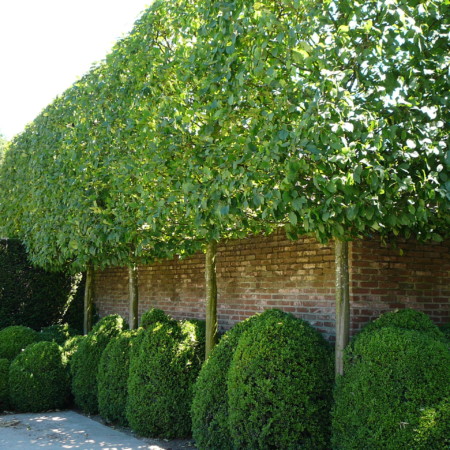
[233, 117]
[393, 392]
[84, 362]
[14, 339]
[4, 384]
[163, 368]
[112, 378]
[154, 315]
[59, 333]
[31, 296]
[406, 319]
[280, 386]
[210, 402]
[39, 379]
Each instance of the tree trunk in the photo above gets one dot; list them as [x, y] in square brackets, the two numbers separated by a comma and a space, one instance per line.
[88, 299]
[211, 297]
[133, 285]
[342, 303]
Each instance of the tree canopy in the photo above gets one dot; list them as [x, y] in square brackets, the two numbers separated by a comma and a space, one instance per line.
[222, 119]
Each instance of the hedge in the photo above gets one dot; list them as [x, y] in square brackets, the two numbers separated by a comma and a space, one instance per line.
[14, 339]
[112, 377]
[163, 368]
[33, 297]
[210, 401]
[280, 385]
[39, 379]
[4, 384]
[405, 319]
[394, 381]
[58, 333]
[84, 362]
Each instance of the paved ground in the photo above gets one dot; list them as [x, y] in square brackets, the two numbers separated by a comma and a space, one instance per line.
[70, 430]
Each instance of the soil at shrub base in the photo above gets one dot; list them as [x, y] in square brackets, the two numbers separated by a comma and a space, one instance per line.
[58, 429]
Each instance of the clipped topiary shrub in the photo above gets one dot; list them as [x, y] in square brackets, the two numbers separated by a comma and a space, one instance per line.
[112, 377]
[39, 379]
[84, 362]
[406, 319]
[210, 401]
[280, 386]
[14, 339]
[4, 384]
[433, 431]
[59, 333]
[154, 315]
[395, 380]
[163, 368]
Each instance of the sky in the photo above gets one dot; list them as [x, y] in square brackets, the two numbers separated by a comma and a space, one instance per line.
[46, 45]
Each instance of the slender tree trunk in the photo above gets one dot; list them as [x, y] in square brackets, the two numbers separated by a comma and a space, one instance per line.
[88, 299]
[211, 297]
[342, 303]
[133, 285]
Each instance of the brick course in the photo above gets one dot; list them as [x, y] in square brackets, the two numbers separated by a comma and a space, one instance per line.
[264, 272]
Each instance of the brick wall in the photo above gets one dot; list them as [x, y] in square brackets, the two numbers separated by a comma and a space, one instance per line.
[252, 275]
[258, 273]
[409, 274]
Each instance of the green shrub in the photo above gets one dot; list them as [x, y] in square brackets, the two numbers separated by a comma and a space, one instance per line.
[392, 378]
[210, 401]
[154, 315]
[406, 319]
[4, 384]
[38, 378]
[14, 339]
[85, 360]
[163, 368]
[445, 329]
[71, 346]
[33, 297]
[59, 333]
[112, 377]
[433, 432]
[280, 386]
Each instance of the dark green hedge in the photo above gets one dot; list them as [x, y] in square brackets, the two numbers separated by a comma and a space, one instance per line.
[393, 388]
[59, 333]
[154, 315]
[163, 368]
[280, 385]
[84, 362]
[4, 384]
[112, 378]
[33, 297]
[39, 379]
[210, 402]
[14, 339]
[406, 319]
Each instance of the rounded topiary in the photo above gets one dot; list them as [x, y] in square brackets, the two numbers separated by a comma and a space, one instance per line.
[280, 386]
[392, 378]
[4, 384]
[85, 360]
[210, 402]
[112, 377]
[39, 379]
[154, 315]
[59, 333]
[14, 339]
[406, 319]
[163, 368]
